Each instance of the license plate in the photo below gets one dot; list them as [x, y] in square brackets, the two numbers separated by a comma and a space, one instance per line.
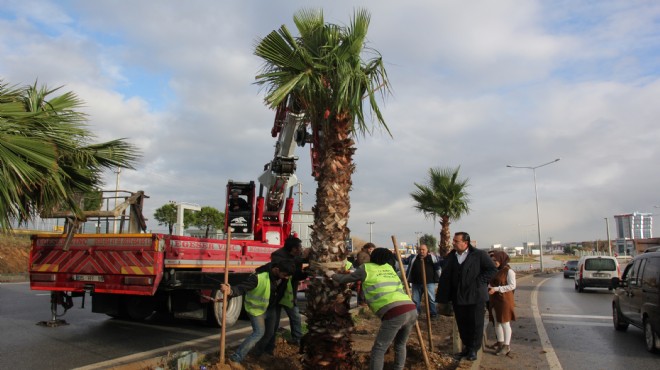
[601, 275]
[94, 278]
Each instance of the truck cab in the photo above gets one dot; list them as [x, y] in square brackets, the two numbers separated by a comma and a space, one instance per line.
[240, 208]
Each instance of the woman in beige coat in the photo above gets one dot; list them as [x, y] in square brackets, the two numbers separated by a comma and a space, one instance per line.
[500, 291]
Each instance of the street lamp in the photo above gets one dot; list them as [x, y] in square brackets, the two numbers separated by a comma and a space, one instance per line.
[538, 218]
[417, 234]
[371, 224]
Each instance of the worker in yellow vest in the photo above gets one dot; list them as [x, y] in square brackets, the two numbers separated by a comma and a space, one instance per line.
[291, 251]
[384, 294]
[262, 293]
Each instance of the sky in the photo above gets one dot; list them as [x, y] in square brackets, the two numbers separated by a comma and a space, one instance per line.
[476, 84]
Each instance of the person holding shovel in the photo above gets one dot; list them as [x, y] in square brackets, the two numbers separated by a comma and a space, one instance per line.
[384, 294]
[262, 293]
[414, 274]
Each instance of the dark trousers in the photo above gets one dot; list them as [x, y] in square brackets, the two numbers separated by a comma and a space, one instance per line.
[470, 322]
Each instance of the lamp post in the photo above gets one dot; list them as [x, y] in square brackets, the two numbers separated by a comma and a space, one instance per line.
[536, 193]
[609, 242]
[417, 234]
[371, 224]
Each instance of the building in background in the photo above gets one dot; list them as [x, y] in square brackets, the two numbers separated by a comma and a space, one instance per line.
[632, 226]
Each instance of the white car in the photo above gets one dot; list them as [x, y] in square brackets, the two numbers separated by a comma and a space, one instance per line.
[596, 272]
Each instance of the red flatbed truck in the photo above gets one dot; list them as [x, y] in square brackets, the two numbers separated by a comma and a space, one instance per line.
[134, 274]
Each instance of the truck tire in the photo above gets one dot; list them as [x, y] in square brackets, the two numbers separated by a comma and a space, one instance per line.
[138, 307]
[234, 307]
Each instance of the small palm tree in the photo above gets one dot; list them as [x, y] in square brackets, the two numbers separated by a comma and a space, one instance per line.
[46, 158]
[322, 72]
[444, 196]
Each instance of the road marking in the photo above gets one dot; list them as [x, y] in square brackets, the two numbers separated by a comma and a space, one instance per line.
[577, 316]
[577, 323]
[550, 355]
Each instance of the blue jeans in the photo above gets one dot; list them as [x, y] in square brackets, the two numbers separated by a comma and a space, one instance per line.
[395, 330]
[418, 297]
[263, 330]
[295, 322]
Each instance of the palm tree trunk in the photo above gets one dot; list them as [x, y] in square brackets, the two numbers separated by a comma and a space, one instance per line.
[327, 345]
[445, 236]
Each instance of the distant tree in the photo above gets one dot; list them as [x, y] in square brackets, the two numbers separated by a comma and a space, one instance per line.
[588, 246]
[444, 196]
[208, 218]
[166, 215]
[430, 242]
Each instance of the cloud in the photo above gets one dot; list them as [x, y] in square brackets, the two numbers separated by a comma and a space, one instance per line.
[478, 85]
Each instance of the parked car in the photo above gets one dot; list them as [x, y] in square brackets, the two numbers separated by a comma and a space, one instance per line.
[569, 269]
[637, 298]
[596, 272]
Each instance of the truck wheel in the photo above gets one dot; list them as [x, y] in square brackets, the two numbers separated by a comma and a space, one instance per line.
[234, 307]
[138, 307]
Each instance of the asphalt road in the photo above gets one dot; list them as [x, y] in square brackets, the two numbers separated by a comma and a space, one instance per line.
[90, 340]
[579, 326]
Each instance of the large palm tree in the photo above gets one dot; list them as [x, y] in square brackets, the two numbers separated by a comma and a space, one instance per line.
[323, 73]
[47, 159]
[444, 197]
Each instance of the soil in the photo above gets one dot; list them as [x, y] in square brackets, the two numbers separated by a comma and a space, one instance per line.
[14, 255]
[286, 356]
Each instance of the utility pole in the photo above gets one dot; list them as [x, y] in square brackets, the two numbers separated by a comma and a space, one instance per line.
[300, 193]
[609, 242]
[114, 223]
[371, 224]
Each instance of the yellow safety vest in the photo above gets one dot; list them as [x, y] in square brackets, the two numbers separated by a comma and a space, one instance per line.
[382, 286]
[256, 300]
[348, 265]
[287, 298]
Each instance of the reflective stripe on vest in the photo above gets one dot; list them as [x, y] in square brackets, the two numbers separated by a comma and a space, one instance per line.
[256, 300]
[382, 286]
[287, 299]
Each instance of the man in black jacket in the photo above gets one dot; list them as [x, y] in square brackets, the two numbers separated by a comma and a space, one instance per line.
[464, 283]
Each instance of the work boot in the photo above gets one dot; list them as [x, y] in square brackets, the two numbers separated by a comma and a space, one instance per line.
[496, 346]
[472, 355]
[504, 350]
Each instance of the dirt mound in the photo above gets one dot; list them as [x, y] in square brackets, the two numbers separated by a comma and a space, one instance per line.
[286, 356]
[14, 254]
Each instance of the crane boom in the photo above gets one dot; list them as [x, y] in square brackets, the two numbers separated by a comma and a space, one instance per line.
[279, 174]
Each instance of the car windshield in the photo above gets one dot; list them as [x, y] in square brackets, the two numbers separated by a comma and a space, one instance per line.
[600, 264]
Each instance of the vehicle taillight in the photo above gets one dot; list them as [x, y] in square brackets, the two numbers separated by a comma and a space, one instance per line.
[581, 268]
[565, 268]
